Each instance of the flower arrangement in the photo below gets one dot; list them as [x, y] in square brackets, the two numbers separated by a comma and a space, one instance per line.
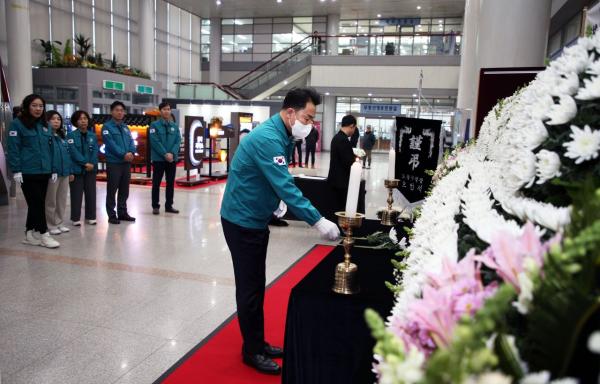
[499, 282]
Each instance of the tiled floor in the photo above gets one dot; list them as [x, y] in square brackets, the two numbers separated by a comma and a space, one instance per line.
[121, 304]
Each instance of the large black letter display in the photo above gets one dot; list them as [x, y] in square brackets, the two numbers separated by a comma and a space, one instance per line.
[417, 150]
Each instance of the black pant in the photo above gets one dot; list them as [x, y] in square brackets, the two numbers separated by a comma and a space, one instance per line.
[160, 168]
[34, 189]
[118, 176]
[248, 249]
[297, 147]
[310, 150]
[83, 184]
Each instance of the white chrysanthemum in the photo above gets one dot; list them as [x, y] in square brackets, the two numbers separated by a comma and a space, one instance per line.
[594, 342]
[568, 85]
[542, 377]
[547, 166]
[563, 112]
[585, 144]
[489, 378]
[590, 90]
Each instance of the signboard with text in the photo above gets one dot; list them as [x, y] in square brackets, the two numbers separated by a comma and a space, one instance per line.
[380, 109]
[417, 151]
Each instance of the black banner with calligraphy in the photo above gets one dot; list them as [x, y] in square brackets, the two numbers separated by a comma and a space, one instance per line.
[417, 150]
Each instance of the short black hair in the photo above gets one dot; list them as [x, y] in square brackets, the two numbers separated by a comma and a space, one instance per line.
[297, 98]
[117, 103]
[348, 120]
[77, 115]
[164, 104]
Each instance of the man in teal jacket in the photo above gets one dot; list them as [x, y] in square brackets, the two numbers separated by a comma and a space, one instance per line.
[258, 180]
[119, 150]
[165, 139]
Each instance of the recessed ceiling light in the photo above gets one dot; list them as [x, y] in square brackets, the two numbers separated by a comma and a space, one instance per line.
[279, 1]
[414, 95]
[369, 94]
[326, 93]
[418, 7]
[285, 82]
[379, 15]
[218, 2]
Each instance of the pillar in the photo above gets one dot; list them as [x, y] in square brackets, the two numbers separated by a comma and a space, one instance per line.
[328, 127]
[469, 73]
[147, 37]
[20, 81]
[333, 23]
[214, 68]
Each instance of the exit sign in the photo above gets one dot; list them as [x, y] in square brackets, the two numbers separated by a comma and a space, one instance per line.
[114, 85]
[139, 88]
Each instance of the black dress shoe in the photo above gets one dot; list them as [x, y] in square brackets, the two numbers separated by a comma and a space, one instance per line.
[273, 352]
[262, 363]
[278, 222]
[171, 210]
[114, 220]
[126, 217]
[155, 211]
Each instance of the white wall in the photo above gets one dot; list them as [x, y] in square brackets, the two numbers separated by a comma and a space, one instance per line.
[438, 77]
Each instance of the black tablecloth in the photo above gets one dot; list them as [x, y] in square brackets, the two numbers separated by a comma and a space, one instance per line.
[326, 337]
[322, 197]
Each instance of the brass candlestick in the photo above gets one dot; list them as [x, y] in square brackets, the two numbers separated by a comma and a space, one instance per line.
[390, 215]
[346, 279]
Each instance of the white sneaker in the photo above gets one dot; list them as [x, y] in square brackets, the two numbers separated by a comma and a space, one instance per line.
[91, 222]
[48, 241]
[30, 239]
[55, 231]
[63, 228]
[77, 223]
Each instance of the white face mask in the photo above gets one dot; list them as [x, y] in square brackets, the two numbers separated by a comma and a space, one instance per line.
[299, 130]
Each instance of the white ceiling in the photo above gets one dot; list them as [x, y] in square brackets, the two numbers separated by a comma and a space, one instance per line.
[345, 8]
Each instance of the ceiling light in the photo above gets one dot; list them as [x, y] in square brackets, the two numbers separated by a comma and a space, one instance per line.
[379, 15]
[218, 2]
[285, 82]
[369, 94]
[326, 93]
[418, 7]
[414, 95]
[440, 21]
[279, 1]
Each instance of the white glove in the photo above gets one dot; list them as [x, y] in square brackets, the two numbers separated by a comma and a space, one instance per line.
[281, 210]
[327, 229]
[358, 152]
[18, 177]
[54, 177]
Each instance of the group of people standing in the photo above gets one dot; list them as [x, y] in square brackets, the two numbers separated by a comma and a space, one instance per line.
[47, 162]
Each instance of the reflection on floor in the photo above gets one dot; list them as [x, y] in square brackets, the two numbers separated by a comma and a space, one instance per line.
[122, 303]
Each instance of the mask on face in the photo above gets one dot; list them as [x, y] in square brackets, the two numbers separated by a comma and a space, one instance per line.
[299, 130]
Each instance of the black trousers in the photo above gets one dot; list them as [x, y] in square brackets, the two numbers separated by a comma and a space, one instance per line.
[297, 147]
[248, 249]
[118, 176]
[310, 150]
[160, 168]
[84, 184]
[34, 189]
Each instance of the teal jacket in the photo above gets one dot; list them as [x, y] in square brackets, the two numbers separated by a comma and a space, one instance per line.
[62, 164]
[30, 150]
[164, 138]
[117, 141]
[259, 179]
[83, 150]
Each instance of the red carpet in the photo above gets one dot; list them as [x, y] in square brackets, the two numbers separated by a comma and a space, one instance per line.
[217, 359]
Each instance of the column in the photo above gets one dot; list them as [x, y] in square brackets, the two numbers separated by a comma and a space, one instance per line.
[147, 37]
[513, 33]
[214, 59]
[333, 23]
[469, 73]
[328, 128]
[18, 33]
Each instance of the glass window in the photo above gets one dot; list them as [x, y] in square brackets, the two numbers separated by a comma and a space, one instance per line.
[67, 93]
[227, 21]
[243, 21]
[46, 91]
[227, 39]
[97, 94]
[571, 31]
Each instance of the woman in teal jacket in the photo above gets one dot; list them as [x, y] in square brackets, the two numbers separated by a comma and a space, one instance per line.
[31, 162]
[84, 153]
[56, 197]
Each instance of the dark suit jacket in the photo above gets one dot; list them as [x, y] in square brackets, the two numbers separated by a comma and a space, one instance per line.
[312, 138]
[341, 159]
[355, 138]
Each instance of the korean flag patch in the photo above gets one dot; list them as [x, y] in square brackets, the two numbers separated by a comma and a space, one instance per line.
[279, 160]
[13, 133]
[70, 141]
[152, 130]
[105, 132]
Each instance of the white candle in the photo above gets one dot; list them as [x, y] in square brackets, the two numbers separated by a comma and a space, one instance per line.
[392, 165]
[353, 189]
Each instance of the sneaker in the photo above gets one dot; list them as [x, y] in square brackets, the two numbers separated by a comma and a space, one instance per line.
[63, 228]
[48, 241]
[77, 223]
[30, 239]
[55, 231]
[91, 222]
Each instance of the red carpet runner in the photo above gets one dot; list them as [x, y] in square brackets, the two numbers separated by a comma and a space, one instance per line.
[217, 359]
